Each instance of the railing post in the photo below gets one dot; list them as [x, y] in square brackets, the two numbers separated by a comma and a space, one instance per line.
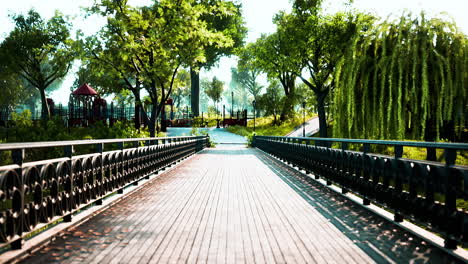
[450, 196]
[344, 147]
[398, 217]
[366, 149]
[121, 147]
[100, 150]
[18, 156]
[68, 151]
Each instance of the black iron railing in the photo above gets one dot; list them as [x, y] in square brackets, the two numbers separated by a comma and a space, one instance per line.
[33, 194]
[424, 191]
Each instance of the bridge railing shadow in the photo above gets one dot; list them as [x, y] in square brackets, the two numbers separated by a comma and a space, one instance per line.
[383, 241]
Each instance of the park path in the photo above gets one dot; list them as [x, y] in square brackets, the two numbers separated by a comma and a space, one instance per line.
[311, 127]
[233, 204]
[218, 135]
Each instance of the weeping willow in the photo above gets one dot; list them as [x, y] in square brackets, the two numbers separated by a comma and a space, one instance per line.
[404, 79]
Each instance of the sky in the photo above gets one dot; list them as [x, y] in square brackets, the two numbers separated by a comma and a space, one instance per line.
[257, 13]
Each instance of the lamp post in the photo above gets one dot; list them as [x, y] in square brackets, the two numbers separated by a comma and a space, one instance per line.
[232, 104]
[303, 118]
[253, 103]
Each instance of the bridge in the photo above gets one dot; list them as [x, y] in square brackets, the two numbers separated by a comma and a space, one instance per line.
[167, 200]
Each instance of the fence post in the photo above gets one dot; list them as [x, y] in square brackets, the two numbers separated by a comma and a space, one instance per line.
[68, 151]
[18, 206]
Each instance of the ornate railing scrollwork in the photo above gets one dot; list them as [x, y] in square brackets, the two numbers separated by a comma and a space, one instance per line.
[39, 192]
[426, 192]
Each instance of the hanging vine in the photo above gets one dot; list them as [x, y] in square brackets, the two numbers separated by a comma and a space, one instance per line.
[404, 80]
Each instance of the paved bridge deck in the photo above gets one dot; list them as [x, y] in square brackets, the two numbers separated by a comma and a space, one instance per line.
[232, 205]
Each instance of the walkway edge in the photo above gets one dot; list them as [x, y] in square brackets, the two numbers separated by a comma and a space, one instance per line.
[423, 234]
[41, 240]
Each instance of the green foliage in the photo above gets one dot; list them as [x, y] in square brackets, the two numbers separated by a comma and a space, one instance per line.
[200, 132]
[317, 42]
[214, 89]
[39, 51]
[271, 101]
[227, 20]
[23, 129]
[405, 79]
[205, 122]
[264, 126]
[246, 74]
[272, 55]
[151, 43]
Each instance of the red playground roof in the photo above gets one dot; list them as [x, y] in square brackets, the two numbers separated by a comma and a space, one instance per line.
[85, 89]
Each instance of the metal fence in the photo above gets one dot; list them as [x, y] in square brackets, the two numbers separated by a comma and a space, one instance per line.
[39, 192]
[424, 191]
[111, 113]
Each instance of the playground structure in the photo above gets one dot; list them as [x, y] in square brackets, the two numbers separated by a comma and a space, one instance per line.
[86, 107]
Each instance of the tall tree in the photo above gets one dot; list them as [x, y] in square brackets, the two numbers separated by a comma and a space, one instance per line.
[228, 21]
[318, 42]
[405, 79]
[271, 101]
[272, 54]
[246, 75]
[40, 51]
[159, 40]
[214, 89]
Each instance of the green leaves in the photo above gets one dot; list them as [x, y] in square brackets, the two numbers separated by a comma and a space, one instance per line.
[404, 78]
[40, 52]
[213, 89]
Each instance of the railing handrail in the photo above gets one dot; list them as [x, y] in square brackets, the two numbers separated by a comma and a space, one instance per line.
[47, 144]
[460, 146]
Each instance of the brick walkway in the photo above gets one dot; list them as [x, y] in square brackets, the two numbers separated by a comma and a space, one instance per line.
[235, 205]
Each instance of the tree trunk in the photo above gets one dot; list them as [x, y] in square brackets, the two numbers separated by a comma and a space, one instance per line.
[152, 120]
[430, 136]
[289, 91]
[322, 113]
[137, 109]
[45, 113]
[163, 119]
[287, 107]
[195, 92]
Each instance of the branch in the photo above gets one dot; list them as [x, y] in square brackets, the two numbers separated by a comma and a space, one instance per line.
[311, 86]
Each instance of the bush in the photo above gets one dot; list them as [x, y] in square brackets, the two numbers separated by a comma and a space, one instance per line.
[23, 129]
[199, 132]
[264, 127]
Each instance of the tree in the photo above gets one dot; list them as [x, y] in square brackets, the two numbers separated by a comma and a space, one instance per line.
[40, 52]
[182, 87]
[228, 21]
[214, 89]
[271, 54]
[318, 42]
[246, 75]
[11, 87]
[405, 79]
[241, 97]
[272, 100]
[104, 69]
[159, 40]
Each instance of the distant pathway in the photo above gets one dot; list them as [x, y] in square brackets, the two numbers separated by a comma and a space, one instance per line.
[218, 135]
[312, 127]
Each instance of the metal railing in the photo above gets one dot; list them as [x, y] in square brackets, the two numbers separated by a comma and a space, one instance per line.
[426, 192]
[35, 193]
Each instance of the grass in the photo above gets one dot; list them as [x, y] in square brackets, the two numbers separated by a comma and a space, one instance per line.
[264, 127]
